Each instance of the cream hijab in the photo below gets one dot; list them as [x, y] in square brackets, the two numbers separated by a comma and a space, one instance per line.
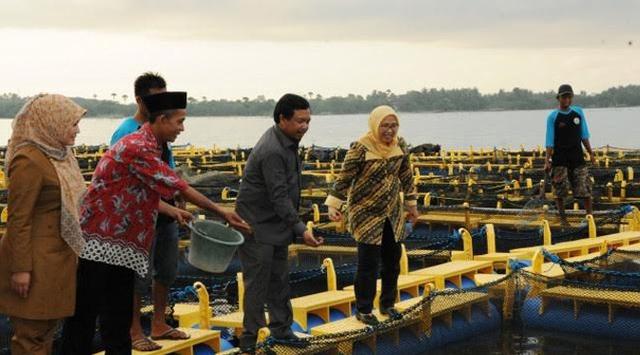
[371, 140]
[43, 122]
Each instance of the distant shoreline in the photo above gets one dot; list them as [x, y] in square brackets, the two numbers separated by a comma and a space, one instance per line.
[426, 100]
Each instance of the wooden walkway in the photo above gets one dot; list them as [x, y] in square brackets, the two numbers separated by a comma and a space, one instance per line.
[584, 246]
[453, 271]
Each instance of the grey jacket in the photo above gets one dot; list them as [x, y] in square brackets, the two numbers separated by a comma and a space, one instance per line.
[269, 195]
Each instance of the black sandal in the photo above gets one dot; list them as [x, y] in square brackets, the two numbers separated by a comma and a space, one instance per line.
[391, 312]
[367, 318]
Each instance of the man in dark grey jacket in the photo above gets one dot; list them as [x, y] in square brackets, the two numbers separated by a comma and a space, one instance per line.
[268, 200]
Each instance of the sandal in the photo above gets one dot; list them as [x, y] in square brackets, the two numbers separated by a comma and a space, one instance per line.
[172, 334]
[145, 345]
[368, 319]
[391, 312]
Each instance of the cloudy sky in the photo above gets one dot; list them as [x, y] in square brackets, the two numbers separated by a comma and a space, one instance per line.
[236, 48]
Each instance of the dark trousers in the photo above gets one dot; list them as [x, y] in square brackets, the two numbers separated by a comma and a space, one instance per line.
[104, 292]
[367, 275]
[265, 271]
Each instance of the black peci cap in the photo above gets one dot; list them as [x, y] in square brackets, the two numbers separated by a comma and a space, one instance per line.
[564, 89]
[170, 100]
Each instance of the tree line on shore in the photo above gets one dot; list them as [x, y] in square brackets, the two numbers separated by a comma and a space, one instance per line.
[425, 100]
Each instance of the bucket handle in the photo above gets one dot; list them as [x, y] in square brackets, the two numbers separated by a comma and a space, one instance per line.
[193, 229]
[190, 226]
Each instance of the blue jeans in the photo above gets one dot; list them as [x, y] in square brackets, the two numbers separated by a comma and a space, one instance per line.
[163, 260]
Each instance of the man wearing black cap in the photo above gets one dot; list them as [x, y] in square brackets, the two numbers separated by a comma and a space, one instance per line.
[118, 217]
[567, 132]
[163, 260]
[268, 199]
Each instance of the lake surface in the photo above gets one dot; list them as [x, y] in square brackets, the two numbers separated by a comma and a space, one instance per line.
[614, 126]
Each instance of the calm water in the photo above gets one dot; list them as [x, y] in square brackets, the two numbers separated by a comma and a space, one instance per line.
[616, 127]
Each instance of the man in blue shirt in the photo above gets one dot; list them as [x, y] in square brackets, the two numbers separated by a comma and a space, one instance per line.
[163, 261]
[155, 84]
[567, 132]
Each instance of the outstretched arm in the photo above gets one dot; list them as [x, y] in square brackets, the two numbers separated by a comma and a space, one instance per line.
[200, 200]
[156, 174]
[176, 213]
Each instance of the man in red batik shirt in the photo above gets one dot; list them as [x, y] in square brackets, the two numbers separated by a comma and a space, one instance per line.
[118, 217]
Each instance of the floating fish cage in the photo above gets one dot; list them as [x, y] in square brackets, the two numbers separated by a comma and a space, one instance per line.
[483, 264]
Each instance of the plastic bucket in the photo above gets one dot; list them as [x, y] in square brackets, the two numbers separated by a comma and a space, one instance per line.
[213, 245]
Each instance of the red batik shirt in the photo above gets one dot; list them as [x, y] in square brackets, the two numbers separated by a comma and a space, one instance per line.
[119, 211]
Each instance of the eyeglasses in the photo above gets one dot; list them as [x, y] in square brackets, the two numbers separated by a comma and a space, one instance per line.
[388, 127]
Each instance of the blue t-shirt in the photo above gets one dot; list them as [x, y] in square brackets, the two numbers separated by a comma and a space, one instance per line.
[565, 132]
[130, 125]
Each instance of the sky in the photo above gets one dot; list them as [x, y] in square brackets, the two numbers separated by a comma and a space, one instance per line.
[237, 48]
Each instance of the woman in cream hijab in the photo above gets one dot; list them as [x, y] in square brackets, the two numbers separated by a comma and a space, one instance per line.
[375, 187]
[38, 254]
